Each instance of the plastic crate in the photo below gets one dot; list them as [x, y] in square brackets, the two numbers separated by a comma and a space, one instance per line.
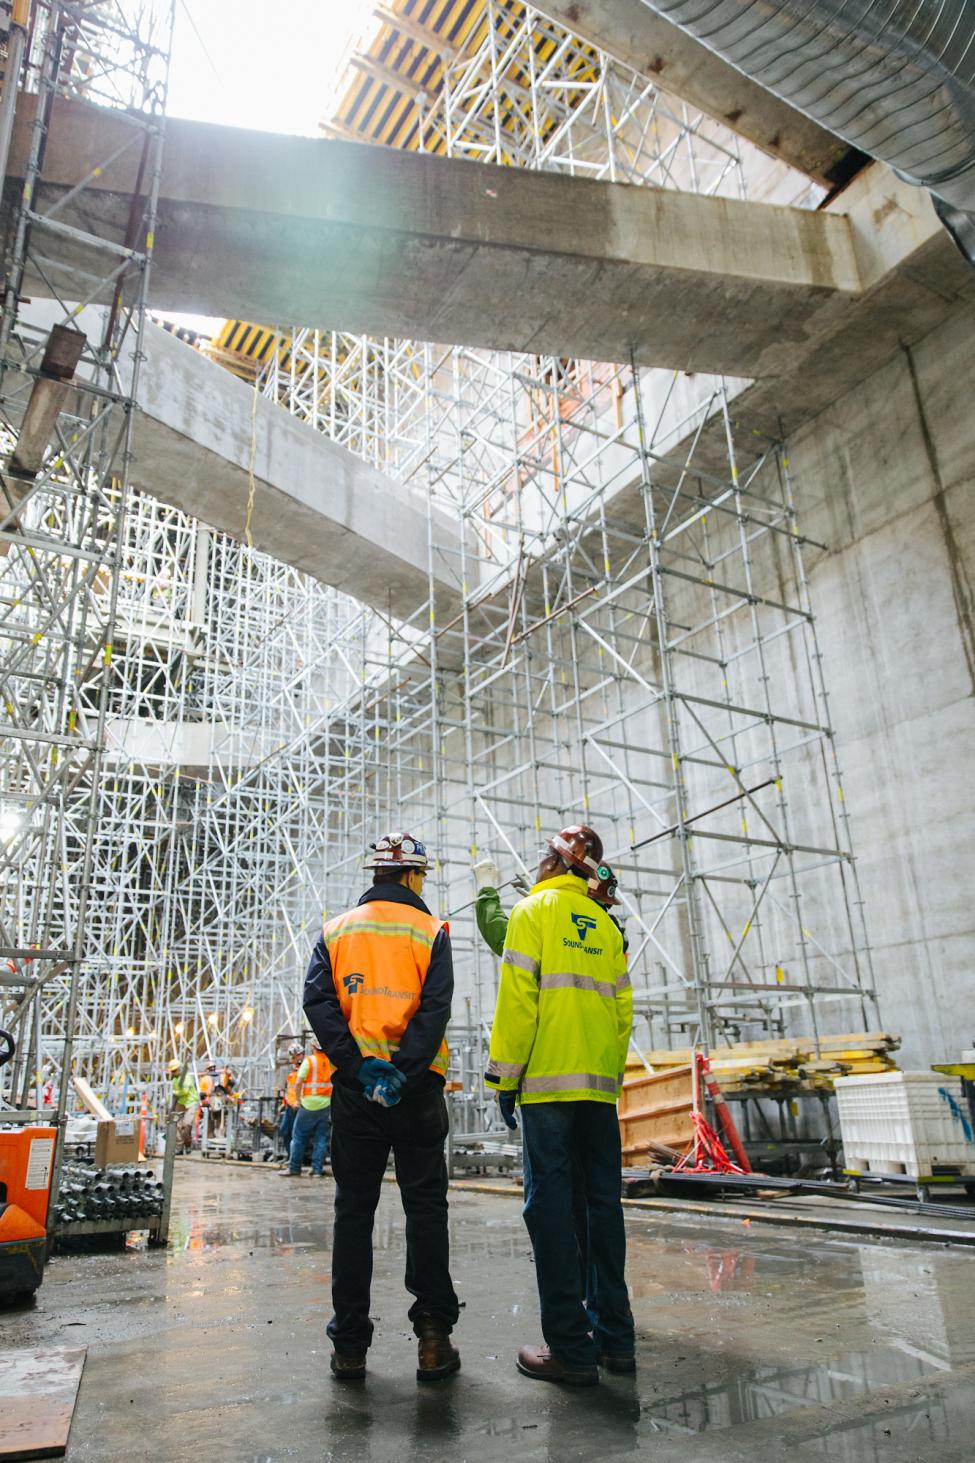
[915, 1123]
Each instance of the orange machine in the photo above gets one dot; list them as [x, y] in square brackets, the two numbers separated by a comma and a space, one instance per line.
[26, 1160]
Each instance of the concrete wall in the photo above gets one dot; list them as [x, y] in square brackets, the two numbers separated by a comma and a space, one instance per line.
[887, 477]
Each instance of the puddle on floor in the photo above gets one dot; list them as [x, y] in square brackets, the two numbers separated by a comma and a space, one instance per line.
[922, 1431]
[771, 1391]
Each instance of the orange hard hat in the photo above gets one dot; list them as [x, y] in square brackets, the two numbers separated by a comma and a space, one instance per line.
[579, 846]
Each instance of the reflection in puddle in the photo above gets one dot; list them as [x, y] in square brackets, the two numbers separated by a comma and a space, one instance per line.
[771, 1391]
[917, 1431]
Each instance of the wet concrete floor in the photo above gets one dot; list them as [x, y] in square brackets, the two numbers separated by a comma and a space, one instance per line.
[751, 1345]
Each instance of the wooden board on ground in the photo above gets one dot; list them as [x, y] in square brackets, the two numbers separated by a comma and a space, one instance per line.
[656, 1109]
[38, 1392]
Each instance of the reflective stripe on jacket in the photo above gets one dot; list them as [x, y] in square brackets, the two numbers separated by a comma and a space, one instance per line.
[318, 1083]
[565, 1007]
[380, 954]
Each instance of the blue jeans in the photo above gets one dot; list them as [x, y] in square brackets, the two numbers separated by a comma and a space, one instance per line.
[286, 1124]
[314, 1125]
[560, 1138]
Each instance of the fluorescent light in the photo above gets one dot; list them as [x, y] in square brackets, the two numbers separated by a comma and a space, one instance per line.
[11, 823]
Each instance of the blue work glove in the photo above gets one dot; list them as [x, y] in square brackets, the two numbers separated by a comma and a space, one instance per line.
[374, 1070]
[385, 1093]
[506, 1102]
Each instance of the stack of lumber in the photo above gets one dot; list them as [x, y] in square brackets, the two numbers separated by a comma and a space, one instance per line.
[783, 1066]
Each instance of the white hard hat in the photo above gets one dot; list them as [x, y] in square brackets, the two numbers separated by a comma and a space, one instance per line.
[397, 851]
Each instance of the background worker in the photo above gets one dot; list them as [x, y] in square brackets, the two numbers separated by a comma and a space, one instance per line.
[227, 1084]
[377, 996]
[186, 1100]
[207, 1082]
[558, 1047]
[313, 1092]
[289, 1103]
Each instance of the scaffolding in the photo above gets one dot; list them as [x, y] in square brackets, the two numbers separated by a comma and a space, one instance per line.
[69, 364]
[637, 642]
[636, 645]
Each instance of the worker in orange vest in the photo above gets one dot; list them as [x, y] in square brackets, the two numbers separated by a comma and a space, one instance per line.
[289, 1105]
[313, 1094]
[208, 1082]
[378, 995]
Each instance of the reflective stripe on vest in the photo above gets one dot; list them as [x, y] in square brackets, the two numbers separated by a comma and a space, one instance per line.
[380, 955]
[289, 1089]
[318, 1082]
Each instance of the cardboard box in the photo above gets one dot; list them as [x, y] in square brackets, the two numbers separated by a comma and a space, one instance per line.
[117, 1141]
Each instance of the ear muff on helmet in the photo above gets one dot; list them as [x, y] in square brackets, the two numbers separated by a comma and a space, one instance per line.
[602, 885]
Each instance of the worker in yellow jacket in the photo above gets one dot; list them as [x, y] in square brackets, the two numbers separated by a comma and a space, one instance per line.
[558, 1049]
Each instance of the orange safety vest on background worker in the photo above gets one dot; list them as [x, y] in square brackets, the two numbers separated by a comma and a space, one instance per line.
[289, 1088]
[380, 954]
[318, 1083]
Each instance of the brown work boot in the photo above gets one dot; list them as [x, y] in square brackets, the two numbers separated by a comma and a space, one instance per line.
[539, 1363]
[436, 1356]
[348, 1368]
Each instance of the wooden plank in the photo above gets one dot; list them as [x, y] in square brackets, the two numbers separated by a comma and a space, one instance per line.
[38, 1392]
[91, 1101]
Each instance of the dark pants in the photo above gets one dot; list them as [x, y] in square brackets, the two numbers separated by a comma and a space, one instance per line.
[286, 1124]
[363, 1133]
[558, 1136]
[310, 1125]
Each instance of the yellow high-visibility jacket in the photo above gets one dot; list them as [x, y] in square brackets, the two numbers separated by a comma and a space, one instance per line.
[565, 1007]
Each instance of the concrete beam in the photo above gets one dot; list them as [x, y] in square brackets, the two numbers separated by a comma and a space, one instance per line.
[372, 240]
[197, 748]
[654, 46]
[914, 280]
[316, 505]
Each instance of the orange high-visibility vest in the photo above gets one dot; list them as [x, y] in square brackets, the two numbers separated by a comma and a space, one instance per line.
[206, 1084]
[289, 1089]
[380, 955]
[318, 1083]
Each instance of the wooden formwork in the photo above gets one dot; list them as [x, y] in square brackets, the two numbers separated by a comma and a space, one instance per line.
[656, 1108]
